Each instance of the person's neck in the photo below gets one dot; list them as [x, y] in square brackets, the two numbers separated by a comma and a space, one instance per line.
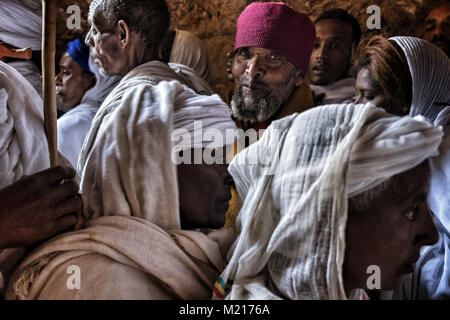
[138, 56]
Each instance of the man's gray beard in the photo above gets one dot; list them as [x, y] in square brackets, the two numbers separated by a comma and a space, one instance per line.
[102, 72]
[261, 110]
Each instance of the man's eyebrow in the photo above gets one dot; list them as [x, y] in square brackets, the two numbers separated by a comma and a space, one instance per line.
[340, 38]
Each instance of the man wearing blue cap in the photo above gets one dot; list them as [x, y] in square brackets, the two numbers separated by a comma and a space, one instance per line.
[74, 77]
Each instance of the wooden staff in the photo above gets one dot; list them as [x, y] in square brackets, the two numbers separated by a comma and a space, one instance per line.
[48, 75]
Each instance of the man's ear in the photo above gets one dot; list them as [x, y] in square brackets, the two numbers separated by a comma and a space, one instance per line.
[299, 79]
[124, 33]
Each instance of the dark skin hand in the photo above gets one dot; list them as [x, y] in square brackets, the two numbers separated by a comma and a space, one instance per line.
[39, 206]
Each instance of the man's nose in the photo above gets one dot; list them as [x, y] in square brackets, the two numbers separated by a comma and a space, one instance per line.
[256, 67]
[428, 234]
[321, 52]
[88, 40]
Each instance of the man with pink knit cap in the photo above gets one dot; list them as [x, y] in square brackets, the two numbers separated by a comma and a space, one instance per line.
[271, 55]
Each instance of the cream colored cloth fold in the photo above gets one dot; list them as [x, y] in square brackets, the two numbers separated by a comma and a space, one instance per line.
[340, 91]
[132, 246]
[131, 136]
[122, 258]
[21, 24]
[23, 144]
[189, 50]
[296, 181]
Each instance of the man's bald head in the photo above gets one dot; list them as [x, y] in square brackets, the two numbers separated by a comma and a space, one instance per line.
[126, 33]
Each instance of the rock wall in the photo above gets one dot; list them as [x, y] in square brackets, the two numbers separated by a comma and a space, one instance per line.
[214, 20]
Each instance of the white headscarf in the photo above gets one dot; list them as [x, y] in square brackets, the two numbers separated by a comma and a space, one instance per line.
[21, 23]
[23, 144]
[430, 73]
[118, 171]
[130, 183]
[292, 224]
[188, 49]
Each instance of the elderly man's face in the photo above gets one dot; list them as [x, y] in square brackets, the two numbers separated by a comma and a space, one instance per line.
[436, 28]
[105, 41]
[390, 234]
[71, 82]
[331, 56]
[264, 80]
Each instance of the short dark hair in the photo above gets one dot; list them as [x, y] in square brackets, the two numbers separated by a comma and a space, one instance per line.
[343, 16]
[149, 18]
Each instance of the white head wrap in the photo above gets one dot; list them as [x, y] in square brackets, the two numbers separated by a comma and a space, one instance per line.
[292, 224]
[126, 162]
[21, 23]
[23, 145]
[430, 73]
[188, 49]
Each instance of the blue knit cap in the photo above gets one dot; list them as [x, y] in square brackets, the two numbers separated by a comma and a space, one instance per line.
[79, 52]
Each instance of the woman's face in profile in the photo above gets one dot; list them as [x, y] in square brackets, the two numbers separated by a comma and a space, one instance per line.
[368, 90]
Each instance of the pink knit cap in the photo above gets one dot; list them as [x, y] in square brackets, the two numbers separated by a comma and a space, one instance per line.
[276, 26]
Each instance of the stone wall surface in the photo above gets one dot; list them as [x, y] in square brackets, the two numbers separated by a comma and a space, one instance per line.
[214, 20]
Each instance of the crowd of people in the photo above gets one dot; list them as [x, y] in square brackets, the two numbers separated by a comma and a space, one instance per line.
[331, 158]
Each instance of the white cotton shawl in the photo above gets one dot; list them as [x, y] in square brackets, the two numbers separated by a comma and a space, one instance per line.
[23, 144]
[144, 104]
[74, 125]
[430, 73]
[131, 246]
[340, 91]
[29, 71]
[292, 223]
[21, 23]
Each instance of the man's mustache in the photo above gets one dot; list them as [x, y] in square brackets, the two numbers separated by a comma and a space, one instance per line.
[253, 83]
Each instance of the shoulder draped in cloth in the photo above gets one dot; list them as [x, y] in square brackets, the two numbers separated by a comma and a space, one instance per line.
[301, 100]
[132, 246]
[189, 50]
[430, 73]
[296, 181]
[23, 144]
[340, 91]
